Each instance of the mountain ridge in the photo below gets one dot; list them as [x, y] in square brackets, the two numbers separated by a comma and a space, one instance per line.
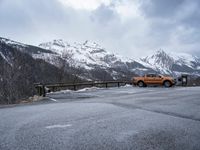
[159, 62]
[173, 63]
[89, 56]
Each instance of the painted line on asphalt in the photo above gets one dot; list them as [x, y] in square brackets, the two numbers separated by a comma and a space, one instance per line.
[58, 126]
[53, 99]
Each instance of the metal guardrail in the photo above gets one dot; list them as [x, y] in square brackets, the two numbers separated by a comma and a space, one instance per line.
[42, 89]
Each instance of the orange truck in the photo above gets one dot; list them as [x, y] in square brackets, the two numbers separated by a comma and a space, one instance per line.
[154, 79]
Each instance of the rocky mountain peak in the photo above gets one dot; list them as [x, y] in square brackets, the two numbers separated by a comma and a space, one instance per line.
[92, 44]
[55, 44]
[159, 60]
[161, 54]
[172, 63]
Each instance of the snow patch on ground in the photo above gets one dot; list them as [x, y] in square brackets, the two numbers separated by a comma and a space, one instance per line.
[62, 92]
[89, 89]
[58, 126]
[81, 90]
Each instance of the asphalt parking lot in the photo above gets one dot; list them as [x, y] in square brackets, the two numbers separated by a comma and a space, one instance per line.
[115, 118]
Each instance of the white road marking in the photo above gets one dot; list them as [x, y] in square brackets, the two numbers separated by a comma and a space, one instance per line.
[58, 126]
[53, 99]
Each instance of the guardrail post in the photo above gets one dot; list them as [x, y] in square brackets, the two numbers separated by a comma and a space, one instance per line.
[40, 93]
[74, 87]
[43, 90]
[38, 89]
[118, 84]
[106, 85]
[53, 89]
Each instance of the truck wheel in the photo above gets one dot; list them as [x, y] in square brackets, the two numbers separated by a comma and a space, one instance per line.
[141, 84]
[167, 84]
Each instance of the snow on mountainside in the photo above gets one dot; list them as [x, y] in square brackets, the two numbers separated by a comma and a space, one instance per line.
[13, 43]
[160, 62]
[86, 55]
[172, 63]
[186, 59]
[89, 55]
[93, 60]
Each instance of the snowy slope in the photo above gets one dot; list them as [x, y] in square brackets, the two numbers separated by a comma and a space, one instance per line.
[87, 55]
[185, 59]
[160, 62]
[11, 42]
[172, 63]
[91, 57]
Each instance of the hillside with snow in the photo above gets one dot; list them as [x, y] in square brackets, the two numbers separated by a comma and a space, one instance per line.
[89, 57]
[172, 63]
[91, 61]
[86, 55]
[19, 71]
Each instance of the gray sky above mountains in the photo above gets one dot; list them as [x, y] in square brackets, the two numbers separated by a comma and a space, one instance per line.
[132, 28]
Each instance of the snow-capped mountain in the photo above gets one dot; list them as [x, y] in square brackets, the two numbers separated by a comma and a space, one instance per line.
[87, 60]
[172, 63]
[89, 55]
[86, 55]
[94, 61]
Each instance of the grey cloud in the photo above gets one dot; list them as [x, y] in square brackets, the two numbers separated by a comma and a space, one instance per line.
[28, 20]
[166, 17]
[193, 19]
[161, 8]
[185, 12]
[23, 11]
[103, 14]
[12, 15]
[32, 22]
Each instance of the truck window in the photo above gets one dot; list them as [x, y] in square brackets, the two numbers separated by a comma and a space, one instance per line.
[148, 75]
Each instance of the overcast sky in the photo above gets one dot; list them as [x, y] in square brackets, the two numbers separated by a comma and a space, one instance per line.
[128, 27]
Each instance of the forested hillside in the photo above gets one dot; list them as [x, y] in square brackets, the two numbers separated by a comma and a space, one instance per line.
[19, 71]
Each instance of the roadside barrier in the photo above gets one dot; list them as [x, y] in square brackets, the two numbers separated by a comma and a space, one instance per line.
[42, 89]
